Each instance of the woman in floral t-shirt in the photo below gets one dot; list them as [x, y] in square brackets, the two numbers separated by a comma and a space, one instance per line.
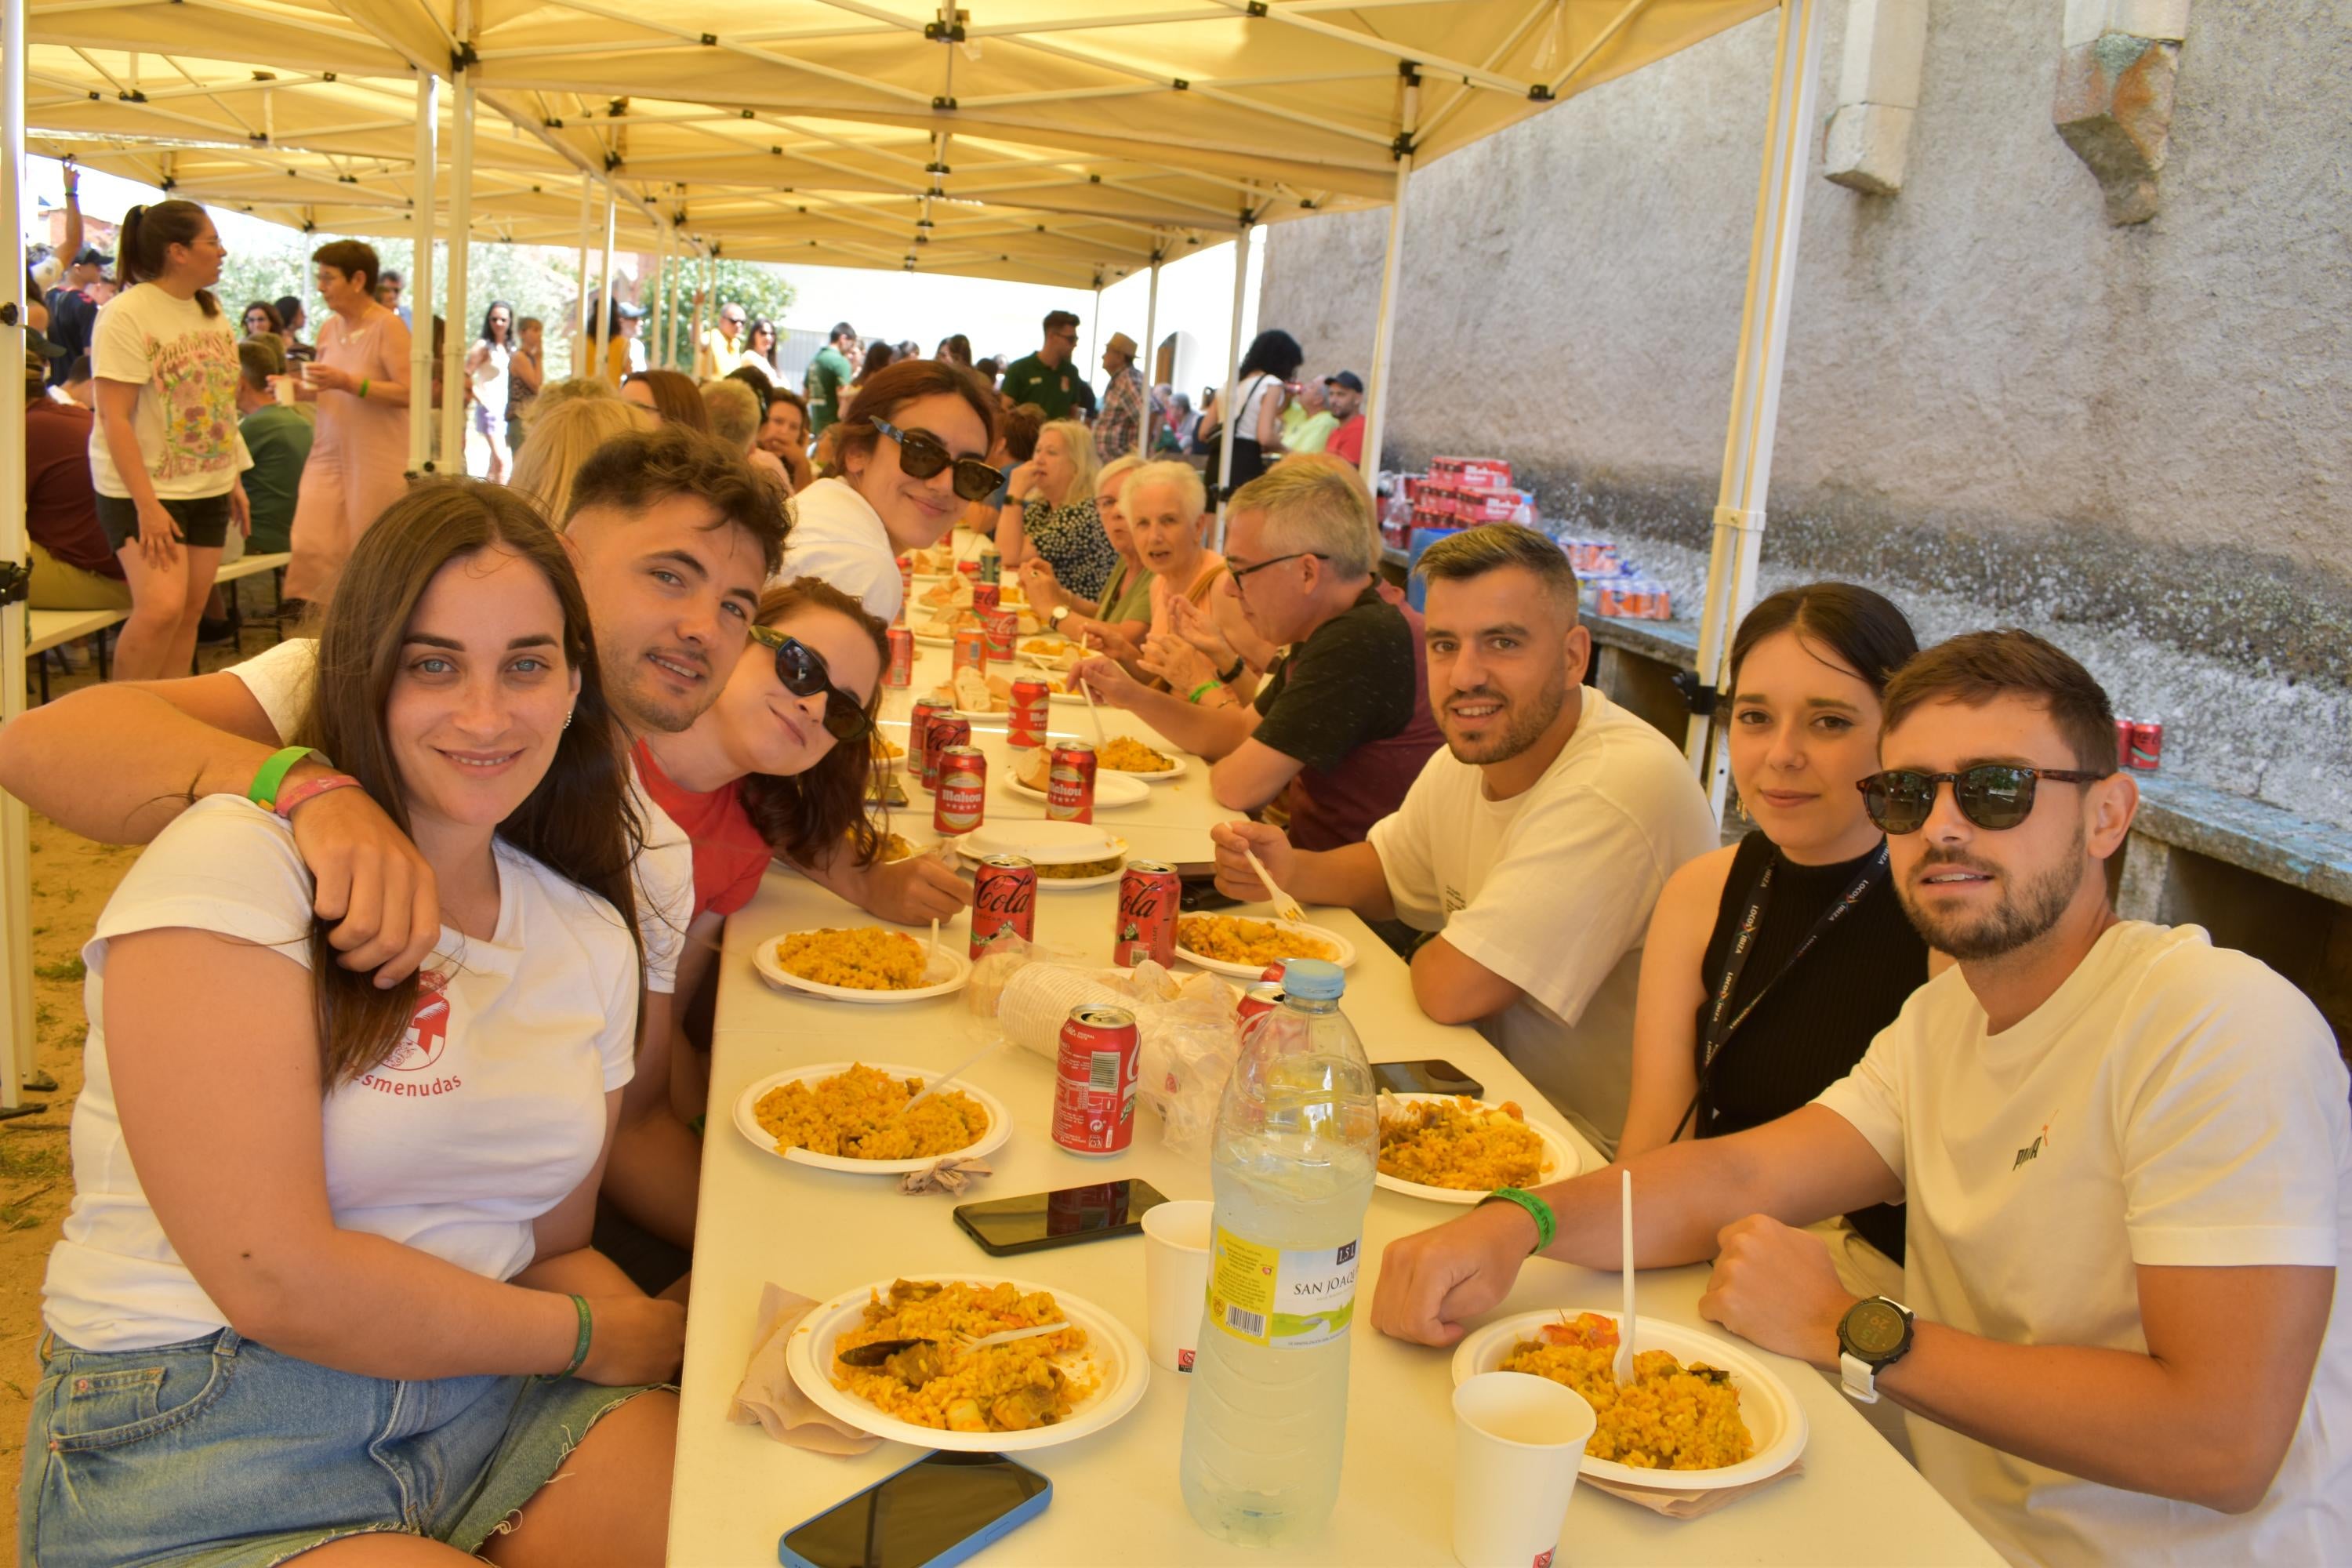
[164, 454]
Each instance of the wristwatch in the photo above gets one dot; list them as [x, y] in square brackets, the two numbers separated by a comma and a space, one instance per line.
[1873, 1335]
[1061, 613]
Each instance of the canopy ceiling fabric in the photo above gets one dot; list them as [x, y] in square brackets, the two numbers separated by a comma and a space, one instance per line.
[1046, 140]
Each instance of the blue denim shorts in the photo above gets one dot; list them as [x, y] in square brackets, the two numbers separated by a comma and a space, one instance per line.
[223, 1453]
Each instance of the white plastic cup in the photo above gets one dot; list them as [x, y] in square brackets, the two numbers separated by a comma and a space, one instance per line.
[1176, 1278]
[1519, 1441]
[281, 387]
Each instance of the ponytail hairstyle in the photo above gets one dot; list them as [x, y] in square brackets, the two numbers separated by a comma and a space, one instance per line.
[144, 243]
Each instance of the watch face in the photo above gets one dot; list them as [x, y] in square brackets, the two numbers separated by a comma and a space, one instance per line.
[1874, 1328]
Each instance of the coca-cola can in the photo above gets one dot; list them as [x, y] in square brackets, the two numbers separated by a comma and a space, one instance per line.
[1000, 627]
[1070, 782]
[906, 583]
[1004, 902]
[1148, 892]
[923, 761]
[962, 797]
[2123, 743]
[1275, 973]
[946, 729]
[1095, 1072]
[971, 650]
[901, 672]
[2147, 744]
[984, 599]
[1025, 720]
[1256, 1001]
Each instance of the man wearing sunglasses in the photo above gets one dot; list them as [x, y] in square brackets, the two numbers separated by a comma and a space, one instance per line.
[724, 350]
[1045, 378]
[2126, 1155]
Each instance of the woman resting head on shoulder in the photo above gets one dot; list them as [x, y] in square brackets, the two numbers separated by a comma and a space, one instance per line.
[346, 1199]
[1832, 957]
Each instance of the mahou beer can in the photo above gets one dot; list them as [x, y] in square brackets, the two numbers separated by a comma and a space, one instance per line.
[1094, 1080]
[1004, 903]
[901, 672]
[1070, 782]
[962, 797]
[2147, 744]
[1025, 720]
[971, 650]
[1148, 891]
[924, 761]
[984, 599]
[2123, 743]
[1000, 627]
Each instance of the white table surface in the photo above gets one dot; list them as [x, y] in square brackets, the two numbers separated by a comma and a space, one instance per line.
[1116, 1497]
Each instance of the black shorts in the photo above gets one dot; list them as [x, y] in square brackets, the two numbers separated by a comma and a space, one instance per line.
[202, 522]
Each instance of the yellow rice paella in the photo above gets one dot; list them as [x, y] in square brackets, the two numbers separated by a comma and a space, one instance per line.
[940, 1383]
[862, 1114]
[1459, 1143]
[1674, 1418]
[864, 958]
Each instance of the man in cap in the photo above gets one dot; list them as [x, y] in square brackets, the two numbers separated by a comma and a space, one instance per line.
[73, 307]
[1344, 395]
[1118, 429]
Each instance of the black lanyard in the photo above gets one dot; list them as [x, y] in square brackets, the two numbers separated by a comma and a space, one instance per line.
[1720, 1028]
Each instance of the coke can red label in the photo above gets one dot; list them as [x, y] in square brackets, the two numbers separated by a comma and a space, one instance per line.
[2123, 743]
[962, 798]
[1095, 1069]
[1148, 892]
[969, 569]
[2147, 744]
[1004, 903]
[906, 583]
[984, 599]
[1000, 627]
[901, 672]
[1275, 973]
[1256, 1001]
[1025, 720]
[971, 650]
[928, 710]
[1070, 782]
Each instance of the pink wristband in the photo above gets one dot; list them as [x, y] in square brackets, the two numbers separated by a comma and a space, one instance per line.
[309, 789]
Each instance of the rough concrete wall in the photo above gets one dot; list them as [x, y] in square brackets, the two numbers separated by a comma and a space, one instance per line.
[1990, 391]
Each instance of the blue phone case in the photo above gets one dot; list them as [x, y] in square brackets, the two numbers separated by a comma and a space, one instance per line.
[987, 1535]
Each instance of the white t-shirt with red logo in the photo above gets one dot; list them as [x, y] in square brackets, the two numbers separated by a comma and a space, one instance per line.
[487, 1114]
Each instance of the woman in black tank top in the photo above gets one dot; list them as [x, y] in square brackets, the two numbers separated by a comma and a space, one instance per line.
[1770, 966]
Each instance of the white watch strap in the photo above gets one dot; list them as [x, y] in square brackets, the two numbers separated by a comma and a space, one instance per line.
[1858, 1377]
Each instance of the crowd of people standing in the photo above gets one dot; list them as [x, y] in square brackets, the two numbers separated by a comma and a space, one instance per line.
[1892, 1052]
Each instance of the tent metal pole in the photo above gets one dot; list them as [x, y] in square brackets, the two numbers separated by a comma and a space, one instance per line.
[1151, 345]
[458, 336]
[1094, 335]
[580, 311]
[662, 323]
[1376, 415]
[420, 266]
[604, 284]
[1233, 383]
[15, 827]
[1755, 386]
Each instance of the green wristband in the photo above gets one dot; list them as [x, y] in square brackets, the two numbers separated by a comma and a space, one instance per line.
[1204, 686]
[580, 1345]
[1537, 1210]
[266, 782]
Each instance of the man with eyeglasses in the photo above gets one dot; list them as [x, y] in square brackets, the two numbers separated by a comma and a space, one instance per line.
[724, 350]
[1045, 378]
[2125, 1153]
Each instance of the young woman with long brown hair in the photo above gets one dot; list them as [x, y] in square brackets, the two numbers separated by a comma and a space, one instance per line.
[327, 1272]
[165, 454]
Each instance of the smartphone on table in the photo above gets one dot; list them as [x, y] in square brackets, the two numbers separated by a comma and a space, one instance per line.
[1034, 1221]
[937, 1511]
[1196, 888]
[1428, 1077]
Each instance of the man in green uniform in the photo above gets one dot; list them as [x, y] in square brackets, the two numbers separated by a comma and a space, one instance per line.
[1045, 378]
[828, 378]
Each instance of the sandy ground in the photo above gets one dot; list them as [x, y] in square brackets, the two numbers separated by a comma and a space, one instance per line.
[72, 879]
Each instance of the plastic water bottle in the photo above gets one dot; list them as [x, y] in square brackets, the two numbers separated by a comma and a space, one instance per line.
[1297, 1138]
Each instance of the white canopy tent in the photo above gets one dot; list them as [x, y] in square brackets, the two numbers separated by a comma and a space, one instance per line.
[1046, 140]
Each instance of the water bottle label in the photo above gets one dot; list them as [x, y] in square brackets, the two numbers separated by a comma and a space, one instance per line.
[1289, 1301]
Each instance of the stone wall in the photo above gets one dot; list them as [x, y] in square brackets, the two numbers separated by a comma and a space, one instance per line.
[1992, 393]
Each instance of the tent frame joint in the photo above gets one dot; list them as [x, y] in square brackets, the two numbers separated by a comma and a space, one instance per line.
[1698, 696]
[943, 32]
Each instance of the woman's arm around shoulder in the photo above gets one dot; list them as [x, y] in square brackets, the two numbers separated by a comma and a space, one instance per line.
[1666, 1011]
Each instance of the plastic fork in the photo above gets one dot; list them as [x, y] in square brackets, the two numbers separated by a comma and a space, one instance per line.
[1623, 1368]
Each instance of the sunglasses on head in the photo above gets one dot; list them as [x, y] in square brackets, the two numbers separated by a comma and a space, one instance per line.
[803, 674]
[1994, 795]
[921, 455]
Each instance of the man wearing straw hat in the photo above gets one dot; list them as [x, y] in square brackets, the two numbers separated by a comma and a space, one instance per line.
[1119, 428]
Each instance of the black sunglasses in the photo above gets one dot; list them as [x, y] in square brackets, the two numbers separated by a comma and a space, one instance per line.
[921, 455]
[802, 671]
[1993, 795]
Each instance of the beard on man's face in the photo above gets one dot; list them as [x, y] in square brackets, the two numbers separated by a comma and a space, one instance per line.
[2026, 910]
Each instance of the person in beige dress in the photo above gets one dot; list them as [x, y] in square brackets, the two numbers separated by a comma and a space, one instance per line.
[359, 461]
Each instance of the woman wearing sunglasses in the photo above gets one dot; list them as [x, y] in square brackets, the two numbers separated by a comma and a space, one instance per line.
[777, 768]
[911, 452]
[1728, 1035]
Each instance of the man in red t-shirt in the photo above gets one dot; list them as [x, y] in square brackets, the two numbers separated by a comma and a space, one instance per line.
[1345, 395]
[73, 567]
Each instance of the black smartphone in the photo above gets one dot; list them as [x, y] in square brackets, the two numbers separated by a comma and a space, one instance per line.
[939, 1510]
[1062, 1218]
[1196, 887]
[1426, 1077]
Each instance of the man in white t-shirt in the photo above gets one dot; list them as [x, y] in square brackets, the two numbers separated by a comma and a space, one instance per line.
[1533, 846]
[672, 535]
[2126, 1155]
